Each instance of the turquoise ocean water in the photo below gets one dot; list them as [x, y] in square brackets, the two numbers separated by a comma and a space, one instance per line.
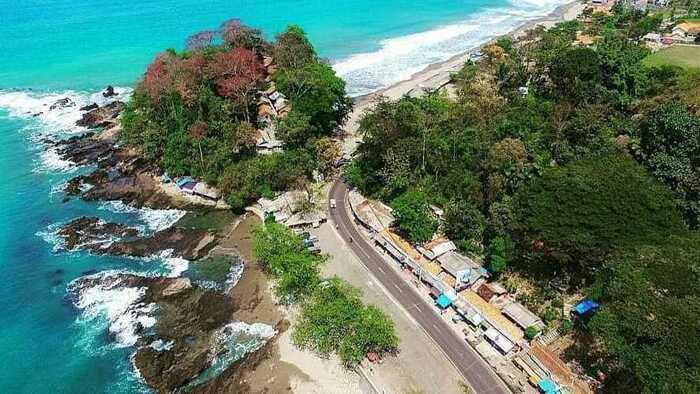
[57, 48]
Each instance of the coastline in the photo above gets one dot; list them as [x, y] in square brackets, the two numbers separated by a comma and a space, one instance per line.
[438, 74]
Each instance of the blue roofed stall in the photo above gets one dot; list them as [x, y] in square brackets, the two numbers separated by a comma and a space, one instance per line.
[586, 307]
[547, 386]
[443, 301]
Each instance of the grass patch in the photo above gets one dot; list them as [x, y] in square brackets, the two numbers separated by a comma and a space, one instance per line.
[682, 56]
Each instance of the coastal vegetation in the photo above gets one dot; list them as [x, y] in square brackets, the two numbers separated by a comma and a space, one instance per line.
[333, 318]
[574, 165]
[195, 112]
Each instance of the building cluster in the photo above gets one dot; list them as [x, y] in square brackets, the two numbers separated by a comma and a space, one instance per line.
[272, 104]
[459, 282]
[296, 209]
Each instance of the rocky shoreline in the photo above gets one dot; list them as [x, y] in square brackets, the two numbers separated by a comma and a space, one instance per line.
[186, 335]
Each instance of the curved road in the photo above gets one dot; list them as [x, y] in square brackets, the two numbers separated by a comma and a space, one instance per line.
[472, 367]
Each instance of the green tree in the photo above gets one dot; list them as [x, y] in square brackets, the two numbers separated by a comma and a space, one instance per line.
[498, 251]
[575, 215]
[317, 92]
[464, 222]
[413, 217]
[292, 49]
[650, 303]
[335, 320]
[282, 253]
[670, 142]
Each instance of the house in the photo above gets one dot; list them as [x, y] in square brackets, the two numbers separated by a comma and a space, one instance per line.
[465, 271]
[652, 37]
[491, 291]
[436, 248]
[685, 32]
[266, 140]
[494, 318]
[373, 215]
[522, 316]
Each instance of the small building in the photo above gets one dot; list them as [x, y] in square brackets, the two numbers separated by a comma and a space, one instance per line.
[436, 248]
[266, 140]
[652, 38]
[522, 316]
[372, 214]
[685, 32]
[465, 271]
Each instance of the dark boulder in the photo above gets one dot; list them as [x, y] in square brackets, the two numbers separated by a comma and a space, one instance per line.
[102, 116]
[109, 92]
[89, 107]
[62, 103]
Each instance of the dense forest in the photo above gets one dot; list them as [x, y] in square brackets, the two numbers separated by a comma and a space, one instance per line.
[195, 112]
[564, 162]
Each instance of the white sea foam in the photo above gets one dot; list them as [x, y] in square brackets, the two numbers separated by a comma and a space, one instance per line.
[154, 219]
[51, 161]
[176, 265]
[234, 275]
[43, 122]
[399, 58]
[28, 104]
[160, 345]
[116, 303]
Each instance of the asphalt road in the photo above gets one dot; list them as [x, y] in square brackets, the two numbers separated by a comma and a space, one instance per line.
[473, 368]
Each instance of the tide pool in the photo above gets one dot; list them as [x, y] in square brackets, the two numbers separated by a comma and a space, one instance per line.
[58, 48]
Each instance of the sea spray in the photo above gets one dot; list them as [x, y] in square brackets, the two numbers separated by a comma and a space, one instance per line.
[103, 297]
[153, 220]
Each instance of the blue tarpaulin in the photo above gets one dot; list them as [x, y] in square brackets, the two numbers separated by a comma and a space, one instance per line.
[586, 306]
[547, 386]
[443, 301]
[183, 181]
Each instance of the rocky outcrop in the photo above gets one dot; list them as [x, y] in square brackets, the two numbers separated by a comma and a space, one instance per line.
[109, 92]
[90, 233]
[89, 107]
[102, 116]
[121, 174]
[62, 103]
[180, 346]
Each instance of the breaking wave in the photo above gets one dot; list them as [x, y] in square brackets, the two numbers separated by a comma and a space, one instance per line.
[154, 220]
[398, 58]
[109, 302]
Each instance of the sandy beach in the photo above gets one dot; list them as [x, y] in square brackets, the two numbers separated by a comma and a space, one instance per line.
[438, 74]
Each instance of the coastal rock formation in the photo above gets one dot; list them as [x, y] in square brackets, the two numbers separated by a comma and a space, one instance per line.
[183, 334]
[62, 103]
[83, 149]
[89, 107]
[121, 174]
[179, 345]
[102, 116]
[109, 92]
[90, 233]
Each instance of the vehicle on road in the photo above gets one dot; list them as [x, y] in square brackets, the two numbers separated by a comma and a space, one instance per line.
[332, 203]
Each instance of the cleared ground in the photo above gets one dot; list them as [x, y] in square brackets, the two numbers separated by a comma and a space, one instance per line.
[682, 56]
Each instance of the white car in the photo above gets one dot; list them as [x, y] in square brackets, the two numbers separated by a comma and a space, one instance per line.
[332, 202]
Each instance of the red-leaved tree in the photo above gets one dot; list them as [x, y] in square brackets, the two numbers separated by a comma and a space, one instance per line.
[200, 40]
[237, 74]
